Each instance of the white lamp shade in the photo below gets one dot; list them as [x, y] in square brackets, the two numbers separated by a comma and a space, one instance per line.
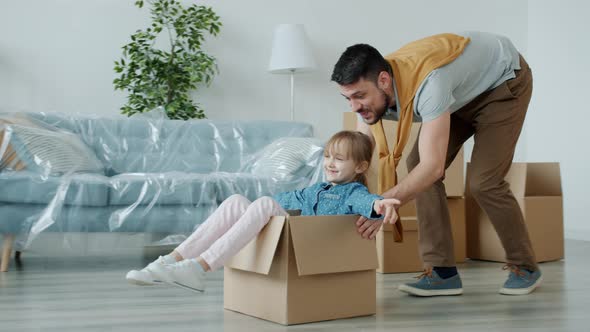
[291, 50]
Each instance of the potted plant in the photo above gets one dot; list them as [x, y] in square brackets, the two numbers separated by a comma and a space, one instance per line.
[156, 77]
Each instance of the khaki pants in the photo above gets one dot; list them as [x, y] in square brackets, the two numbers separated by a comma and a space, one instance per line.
[495, 118]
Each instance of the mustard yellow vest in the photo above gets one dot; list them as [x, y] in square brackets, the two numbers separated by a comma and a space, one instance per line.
[410, 64]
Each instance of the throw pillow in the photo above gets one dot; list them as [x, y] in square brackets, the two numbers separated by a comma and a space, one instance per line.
[287, 158]
[8, 158]
[50, 150]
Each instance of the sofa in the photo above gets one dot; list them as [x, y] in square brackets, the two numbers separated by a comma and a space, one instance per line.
[75, 173]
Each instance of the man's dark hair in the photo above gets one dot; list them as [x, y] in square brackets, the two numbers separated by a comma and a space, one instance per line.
[359, 61]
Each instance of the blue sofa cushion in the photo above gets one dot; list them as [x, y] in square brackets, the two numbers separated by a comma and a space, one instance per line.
[176, 219]
[248, 185]
[34, 188]
[186, 188]
[19, 218]
[162, 189]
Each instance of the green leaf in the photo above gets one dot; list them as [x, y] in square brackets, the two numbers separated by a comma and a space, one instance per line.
[153, 76]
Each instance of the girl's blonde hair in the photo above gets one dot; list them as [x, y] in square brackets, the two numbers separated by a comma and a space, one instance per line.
[354, 145]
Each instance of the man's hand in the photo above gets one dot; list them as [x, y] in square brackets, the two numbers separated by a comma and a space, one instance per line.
[368, 228]
[388, 209]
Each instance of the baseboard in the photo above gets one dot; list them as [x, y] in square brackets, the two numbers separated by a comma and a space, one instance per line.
[72, 244]
[577, 234]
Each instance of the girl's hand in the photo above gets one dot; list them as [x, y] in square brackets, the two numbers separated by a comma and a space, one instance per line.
[387, 207]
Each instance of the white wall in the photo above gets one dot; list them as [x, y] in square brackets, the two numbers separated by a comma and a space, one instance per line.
[243, 49]
[58, 55]
[559, 115]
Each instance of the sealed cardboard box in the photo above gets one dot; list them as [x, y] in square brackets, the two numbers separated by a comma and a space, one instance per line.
[405, 256]
[537, 188]
[408, 209]
[458, 223]
[398, 257]
[454, 175]
[303, 269]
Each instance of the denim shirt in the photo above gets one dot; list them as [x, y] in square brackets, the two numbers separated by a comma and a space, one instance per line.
[326, 199]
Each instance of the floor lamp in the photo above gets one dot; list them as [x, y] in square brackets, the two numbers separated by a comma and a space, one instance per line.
[291, 52]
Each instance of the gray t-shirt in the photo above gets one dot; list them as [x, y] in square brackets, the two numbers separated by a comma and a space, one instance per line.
[486, 62]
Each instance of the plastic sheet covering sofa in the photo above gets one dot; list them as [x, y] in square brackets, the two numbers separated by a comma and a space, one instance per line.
[75, 173]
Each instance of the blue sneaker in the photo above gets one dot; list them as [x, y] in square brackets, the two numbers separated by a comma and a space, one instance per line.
[520, 281]
[430, 284]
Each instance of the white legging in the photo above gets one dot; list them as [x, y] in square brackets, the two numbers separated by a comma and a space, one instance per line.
[235, 223]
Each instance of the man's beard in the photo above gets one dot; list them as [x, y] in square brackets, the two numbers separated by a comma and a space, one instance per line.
[380, 111]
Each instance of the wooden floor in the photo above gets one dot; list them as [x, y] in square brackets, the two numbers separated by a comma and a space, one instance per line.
[91, 295]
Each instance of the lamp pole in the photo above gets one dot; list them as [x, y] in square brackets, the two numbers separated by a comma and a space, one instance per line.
[292, 94]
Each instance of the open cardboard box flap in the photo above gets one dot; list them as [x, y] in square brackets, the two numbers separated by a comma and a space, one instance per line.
[258, 254]
[331, 244]
[531, 179]
[543, 179]
[322, 244]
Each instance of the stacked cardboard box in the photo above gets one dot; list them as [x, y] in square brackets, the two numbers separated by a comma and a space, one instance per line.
[404, 257]
[303, 269]
[537, 188]
[454, 175]
[397, 257]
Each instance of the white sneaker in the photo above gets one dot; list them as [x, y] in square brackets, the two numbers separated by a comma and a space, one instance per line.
[144, 276]
[187, 274]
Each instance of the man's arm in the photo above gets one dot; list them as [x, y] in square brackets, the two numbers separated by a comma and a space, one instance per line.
[432, 148]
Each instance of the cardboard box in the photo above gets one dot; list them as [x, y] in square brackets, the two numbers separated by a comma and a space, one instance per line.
[405, 256]
[454, 175]
[398, 257]
[304, 269]
[408, 209]
[537, 188]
